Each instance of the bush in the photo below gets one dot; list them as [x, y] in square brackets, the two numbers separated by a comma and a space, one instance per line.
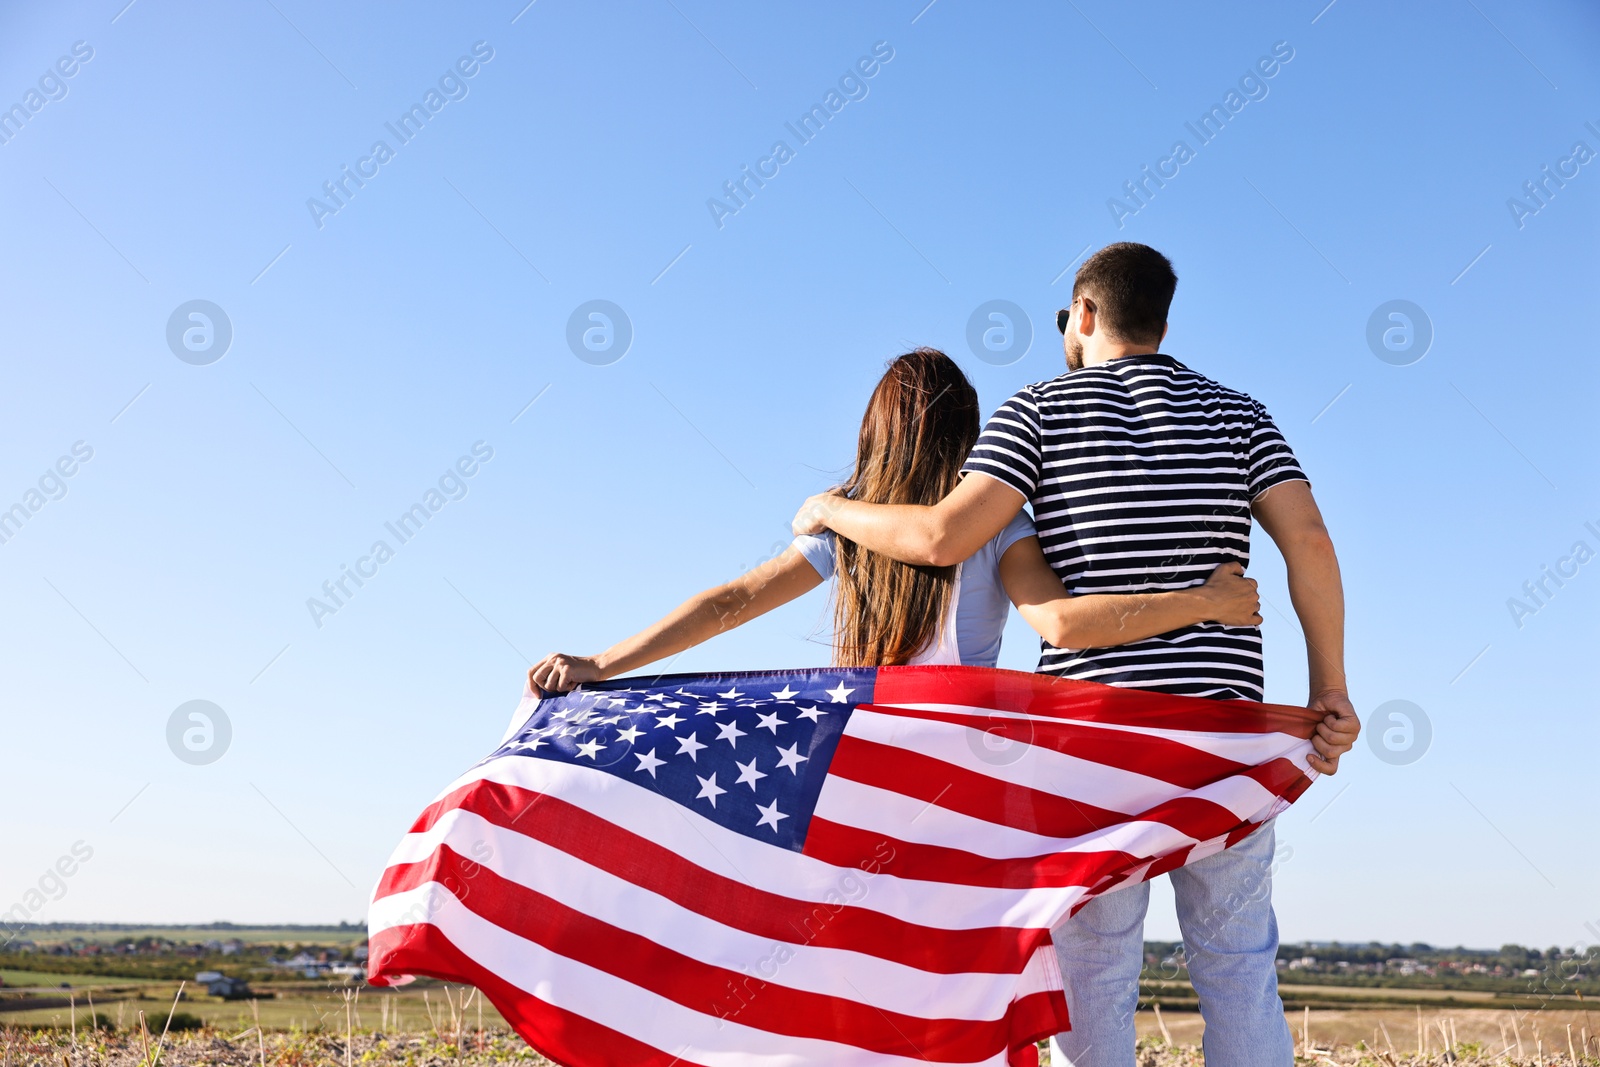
[182, 1020]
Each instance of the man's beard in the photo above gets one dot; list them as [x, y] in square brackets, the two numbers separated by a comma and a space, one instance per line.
[1074, 354]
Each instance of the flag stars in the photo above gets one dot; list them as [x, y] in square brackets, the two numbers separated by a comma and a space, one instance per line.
[790, 757]
[630, 735]
[748, 775]
[669, 721]
[590, 749]
[769, 722]
[710, 707]
[710, 790]
[648, 762]
[838, 693]
[769, 815]
[786, 694]
[813, 713]
[729, 731]
[732, 694]
[691, 745]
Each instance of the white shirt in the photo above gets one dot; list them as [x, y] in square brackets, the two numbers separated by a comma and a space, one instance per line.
[980, 601]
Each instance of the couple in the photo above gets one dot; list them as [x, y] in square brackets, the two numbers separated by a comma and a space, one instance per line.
[1143, 477]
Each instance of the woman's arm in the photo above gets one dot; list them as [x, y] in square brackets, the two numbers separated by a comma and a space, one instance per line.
[701, 617]
[1100, 620]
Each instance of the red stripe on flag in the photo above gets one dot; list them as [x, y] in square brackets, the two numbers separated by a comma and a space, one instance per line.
[827, 841]
[1069, 698]
[1282, 777]
[568, 1038]
[556, 1033]
[698, 986]
[1161, 758]
[980, 796]
[1191, 816]
[579, 833]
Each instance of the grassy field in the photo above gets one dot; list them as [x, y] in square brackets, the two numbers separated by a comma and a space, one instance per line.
[110, 933]
[295, 1006]
[52, 980]
[1347, 1039]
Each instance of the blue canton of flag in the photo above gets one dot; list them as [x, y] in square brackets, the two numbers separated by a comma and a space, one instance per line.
[748, 757]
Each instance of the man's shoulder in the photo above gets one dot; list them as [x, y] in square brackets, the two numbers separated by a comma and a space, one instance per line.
[1196, 380]
[1179, 377]
[1163, 372]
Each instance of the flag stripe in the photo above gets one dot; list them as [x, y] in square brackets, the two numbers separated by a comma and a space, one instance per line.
[805, 964]
[723, 991]
[610, 848]
[1067, 698]
[1197, 814]
[865, 883]
[992, 799]
[1176, 763]
[566, 1037]
[1243, 749]
[714, 848]
[632, 1008]
[1169, 825]
[1112, 787]
[835, 842]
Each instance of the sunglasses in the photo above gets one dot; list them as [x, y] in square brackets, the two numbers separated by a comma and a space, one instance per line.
[1064, 316]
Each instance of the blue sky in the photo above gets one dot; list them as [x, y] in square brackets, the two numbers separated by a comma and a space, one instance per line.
[374, 346]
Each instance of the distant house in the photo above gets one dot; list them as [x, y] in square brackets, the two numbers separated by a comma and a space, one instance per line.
[207, 977]
[232, 946]
[228, 988]
[307, 964]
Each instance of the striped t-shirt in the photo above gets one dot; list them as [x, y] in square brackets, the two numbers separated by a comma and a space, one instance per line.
[1141, 473]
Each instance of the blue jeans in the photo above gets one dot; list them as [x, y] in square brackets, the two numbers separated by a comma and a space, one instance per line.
[1230, 938]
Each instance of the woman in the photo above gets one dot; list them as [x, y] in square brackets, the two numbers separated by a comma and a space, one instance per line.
[920, 424]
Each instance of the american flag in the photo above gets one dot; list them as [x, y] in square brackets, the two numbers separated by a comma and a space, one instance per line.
[842, 867]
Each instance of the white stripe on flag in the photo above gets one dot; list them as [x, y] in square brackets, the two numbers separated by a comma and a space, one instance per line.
[756, 863]
[604, 896]
[914, 820]
[1246, 748]
[1035, 766]
[614, 1002]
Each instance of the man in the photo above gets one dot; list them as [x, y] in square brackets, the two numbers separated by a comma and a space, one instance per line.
[1143, 476]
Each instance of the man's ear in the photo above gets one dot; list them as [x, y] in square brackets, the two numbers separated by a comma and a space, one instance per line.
[1086, 317]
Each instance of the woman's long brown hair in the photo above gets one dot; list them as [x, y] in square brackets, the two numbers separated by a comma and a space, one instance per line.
[919, 426]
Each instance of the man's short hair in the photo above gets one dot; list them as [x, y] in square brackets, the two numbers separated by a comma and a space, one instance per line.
[1131, 286]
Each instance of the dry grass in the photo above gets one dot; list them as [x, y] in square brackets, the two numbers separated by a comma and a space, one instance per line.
[1389, 1037]
[1355, 1038]
[212, 1048]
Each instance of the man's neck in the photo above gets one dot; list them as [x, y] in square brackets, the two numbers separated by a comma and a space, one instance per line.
[1109, 353]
